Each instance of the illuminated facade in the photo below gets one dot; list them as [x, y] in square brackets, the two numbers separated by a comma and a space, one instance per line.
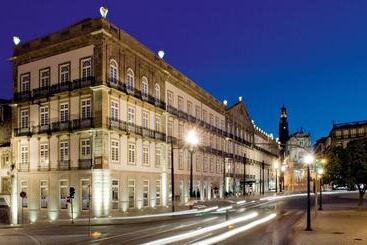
[95, 110]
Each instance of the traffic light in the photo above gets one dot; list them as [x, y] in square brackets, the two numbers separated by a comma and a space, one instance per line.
[71, 192]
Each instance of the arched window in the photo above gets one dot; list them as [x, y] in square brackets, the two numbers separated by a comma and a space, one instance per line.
[114, 72]
[144, 87]
[130, 80]
[157, 92]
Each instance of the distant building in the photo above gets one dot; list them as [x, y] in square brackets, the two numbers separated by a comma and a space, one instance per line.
[283, 129]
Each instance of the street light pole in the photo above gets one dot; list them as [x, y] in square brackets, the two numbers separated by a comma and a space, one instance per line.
[191, 150]
[320, 204]
[308, 227]
[244, 174]
[172, 179]
[276, 180]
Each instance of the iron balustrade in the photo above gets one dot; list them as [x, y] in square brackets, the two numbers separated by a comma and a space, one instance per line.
[23, 167]
[64, 165]
[85, 164]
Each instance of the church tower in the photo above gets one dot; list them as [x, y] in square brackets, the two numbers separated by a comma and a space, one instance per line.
[283, 127]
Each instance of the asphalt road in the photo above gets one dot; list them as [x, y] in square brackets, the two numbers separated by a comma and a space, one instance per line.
[258, 222]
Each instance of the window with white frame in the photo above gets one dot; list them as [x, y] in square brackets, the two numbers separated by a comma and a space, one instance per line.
[25, 82]
[197, 112]
[24, 154]
[146, 193]
[145, 155]
[64, 73]
[85, 149]
[85, 191]
[115, 194]
[180, 130]
[157, 157]
[158, 192]
[64, 150]
[157, 92]
[144, 87]
[205, 116]
[114, 72]
[114, 110]
[131, 190]
[180, 161]
[189, 108]
[170, 127]
[198, 163]
[131, 153]
[44, 115]
[63, 194]
[44, 193]
[44, 77]
[170, 100]
[86, 108]
[157, 126]
[180, 103]
[114, 150]
[86, 68]
[24, 188]
[43, 154]
[145, 119]
[131, 115]
[130, 80]
[211, 119]
[64, 112]
[24, 118]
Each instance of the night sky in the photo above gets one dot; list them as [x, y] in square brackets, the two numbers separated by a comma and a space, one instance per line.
[309, 55]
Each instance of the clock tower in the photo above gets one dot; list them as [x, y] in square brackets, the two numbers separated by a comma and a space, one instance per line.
[283, 128]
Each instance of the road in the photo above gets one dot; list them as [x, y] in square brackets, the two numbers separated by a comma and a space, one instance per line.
[264, 221]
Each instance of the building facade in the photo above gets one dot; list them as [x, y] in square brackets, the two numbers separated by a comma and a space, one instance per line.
[95, 110]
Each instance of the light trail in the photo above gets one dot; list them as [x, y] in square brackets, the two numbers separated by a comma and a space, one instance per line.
[231, 233]
[202, 231]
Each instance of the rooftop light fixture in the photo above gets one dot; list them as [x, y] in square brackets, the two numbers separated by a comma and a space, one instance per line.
[103, 11]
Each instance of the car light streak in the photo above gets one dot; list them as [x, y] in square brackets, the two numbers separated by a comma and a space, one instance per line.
[202, 231]
[231, 233]
[224, 208]
[241, 202]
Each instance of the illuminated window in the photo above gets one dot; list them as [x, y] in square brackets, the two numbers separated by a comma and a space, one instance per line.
[85, 192]
[157, 157]
[25, 82]
[114, 72]
[86, 108]
[131, 153]
[44, 193]
[158, 192]
[43, 155]
[24, 154]
[114, 150]
[131, 115]
[64, 73]
[145, 155]
[157, 124]
[64, 112]
[180, 103]
[144, 87]
[146, 193]
[131, 189]
[44, 77]
[170, 100]
[86, 68]
[44, 116]
[115, 194]
[24, 118]
[64, 150]
[145, 119]
[85, 149]
[130, 83]
[114, 110]
[157, 92]
[63, 194]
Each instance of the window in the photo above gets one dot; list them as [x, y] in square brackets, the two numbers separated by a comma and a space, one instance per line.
[157, 126]
[170, 127]
[212, 165]
[24, 187]
[205, 116]
[131, 153]
[114, 72]
[157, 192]
[64, 73]
[211, 119]
[85, 194]
[198, 165]
[146, 193]
[24, 154]
[144, 87]
[114, 110]
[217, 122]
[131, 115]
[64, 150]
[44, 77]
[170, 98]
[218, 168]
[86, 108]
[44, 117]
[64, 112]
[85, 149]
[24, 118]
[146, 155]
[63, 194]
[197, 112]
[25, 82]
[180, 161]
[114, 150]
[145, 120]
[131, 188]
[115, 194]
[43, 154]
[86, 68]
[157, 157]
[205, 163]
[180, 103]
[44, 193]
[189, 108]
[130, 80]
[157, 92]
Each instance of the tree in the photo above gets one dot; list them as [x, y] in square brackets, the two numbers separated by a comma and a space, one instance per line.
[348, 167]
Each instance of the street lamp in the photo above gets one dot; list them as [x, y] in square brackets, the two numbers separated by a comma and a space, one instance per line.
[276, 167]
[308, 160]
[320, 172]
[192, 140]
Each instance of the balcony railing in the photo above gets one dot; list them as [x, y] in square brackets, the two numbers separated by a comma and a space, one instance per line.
[22, 131]
[23, 167]
[64, 165]
[55, 88]
[85, 163]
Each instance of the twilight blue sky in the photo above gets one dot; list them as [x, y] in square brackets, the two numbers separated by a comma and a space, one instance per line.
[310, 55]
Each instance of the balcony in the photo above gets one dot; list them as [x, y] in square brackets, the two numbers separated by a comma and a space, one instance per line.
[41, 92]
[64, 165]
[85, 164]
[24, 131]
[44, 167]
[24, 95]
[82, 123]
[23, 167]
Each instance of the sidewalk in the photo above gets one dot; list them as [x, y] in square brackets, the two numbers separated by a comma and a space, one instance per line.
[334, 226]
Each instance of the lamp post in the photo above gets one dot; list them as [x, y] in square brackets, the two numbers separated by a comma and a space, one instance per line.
[276, 166]
[192, 140]
[320, 171]
[308, 161]
[282, 170]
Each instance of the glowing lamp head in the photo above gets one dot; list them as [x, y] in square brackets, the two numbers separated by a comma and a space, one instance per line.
[103, 11]
[283, 168]
[276, 164]
[192, 138]
[16, 40]
[240, 98]
[308, 159]
[225, 102]
[161, 54]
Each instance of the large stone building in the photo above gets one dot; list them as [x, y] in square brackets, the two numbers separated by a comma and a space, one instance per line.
[96, 110]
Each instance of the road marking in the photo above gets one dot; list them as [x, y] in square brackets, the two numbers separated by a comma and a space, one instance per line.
[32, 238]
